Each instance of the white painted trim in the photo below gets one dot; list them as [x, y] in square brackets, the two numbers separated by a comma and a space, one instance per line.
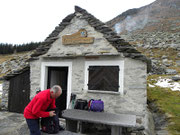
[44, 71]
[119, 63]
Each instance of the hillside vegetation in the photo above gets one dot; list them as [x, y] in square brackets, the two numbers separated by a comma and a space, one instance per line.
[168, 103]
[10, 48]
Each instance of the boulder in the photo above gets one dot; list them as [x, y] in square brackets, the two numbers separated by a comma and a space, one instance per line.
[164, 57]
[178, 55]
[178, 49]
[174, 46]
[171, 71]
[176, 78]
[167, 62]
[178, 62]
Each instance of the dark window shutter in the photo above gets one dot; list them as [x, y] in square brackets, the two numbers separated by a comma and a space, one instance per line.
[105, 78]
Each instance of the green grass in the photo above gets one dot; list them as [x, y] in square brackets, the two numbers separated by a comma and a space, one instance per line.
[168, 102]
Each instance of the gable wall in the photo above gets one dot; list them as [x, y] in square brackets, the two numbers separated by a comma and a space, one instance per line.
[100, 43]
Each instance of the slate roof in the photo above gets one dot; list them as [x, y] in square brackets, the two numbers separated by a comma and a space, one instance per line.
[120, 44]
[15, 73]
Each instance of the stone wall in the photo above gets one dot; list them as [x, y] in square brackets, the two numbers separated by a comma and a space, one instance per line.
[135, 85]
[5, 94]
[133, 101]
[35, 77]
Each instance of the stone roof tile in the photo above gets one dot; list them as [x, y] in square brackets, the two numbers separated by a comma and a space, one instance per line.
[15, 73]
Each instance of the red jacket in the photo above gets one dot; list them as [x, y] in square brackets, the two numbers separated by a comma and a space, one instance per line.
[39, 104]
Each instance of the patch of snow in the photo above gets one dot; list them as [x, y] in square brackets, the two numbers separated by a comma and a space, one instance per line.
[151, 85]
[168, 83]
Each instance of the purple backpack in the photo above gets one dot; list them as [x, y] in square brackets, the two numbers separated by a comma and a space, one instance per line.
[96, 105]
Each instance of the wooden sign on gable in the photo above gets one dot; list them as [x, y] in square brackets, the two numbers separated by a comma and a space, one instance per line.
[79, 37]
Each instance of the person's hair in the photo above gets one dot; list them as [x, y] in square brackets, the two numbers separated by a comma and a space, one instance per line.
[56, 88]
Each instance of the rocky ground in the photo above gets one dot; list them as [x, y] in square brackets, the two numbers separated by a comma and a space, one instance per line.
[12, 124]
[160, 120]
[15, 124]
[162, 48]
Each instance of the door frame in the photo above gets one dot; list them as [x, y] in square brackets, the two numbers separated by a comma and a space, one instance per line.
[44, 76]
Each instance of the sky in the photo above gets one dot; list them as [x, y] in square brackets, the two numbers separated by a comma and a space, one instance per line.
[25, 21]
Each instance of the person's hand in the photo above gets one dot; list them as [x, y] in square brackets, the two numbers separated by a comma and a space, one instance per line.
[52, 113]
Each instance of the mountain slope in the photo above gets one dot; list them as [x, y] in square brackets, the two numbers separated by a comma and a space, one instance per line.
[155, 31]
[161, 15]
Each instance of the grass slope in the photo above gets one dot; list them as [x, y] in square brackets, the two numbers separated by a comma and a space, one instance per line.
[169, 103]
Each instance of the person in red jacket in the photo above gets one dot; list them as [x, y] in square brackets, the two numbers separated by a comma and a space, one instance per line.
[37, 108]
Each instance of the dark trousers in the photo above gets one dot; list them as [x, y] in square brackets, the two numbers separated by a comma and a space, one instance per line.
[33, 125]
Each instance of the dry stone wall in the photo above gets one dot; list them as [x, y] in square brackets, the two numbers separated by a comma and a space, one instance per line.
[4, 100]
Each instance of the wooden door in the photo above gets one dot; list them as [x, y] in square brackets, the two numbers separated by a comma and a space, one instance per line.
[58, 76]
[19, 92]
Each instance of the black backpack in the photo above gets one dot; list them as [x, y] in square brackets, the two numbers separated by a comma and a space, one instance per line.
[81, 104]
[51, 125]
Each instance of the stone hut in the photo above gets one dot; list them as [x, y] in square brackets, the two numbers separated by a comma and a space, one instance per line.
[88, 59]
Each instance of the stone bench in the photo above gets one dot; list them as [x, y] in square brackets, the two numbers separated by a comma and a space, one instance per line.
[116, 121]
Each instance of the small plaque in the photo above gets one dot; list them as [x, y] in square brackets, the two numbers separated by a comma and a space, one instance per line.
[79, 37]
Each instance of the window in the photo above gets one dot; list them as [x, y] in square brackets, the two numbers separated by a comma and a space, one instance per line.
[104, 76]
